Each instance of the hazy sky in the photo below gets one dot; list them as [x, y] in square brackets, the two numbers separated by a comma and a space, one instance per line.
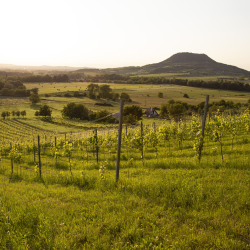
[114, 33]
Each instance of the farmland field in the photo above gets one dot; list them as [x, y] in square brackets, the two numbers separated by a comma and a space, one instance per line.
[165, 197]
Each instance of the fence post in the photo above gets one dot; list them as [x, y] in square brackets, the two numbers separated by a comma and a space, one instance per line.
[11, 159]
[96, 145]
[55, 141]
[34, 151]
[39, 156]
[119, 142]
[203, 126]
[126, 130]
[142, 139]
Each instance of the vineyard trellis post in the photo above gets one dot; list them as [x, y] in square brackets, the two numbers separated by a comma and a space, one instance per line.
[39, 156]
[11, 159]
[34, 150]
[142, 138]
[119, 142]
[203, 126]
[96, 145]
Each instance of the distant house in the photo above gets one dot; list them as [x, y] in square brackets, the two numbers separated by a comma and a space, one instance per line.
[150, 112]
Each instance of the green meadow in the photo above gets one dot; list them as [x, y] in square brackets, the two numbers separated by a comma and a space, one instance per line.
[164, 199]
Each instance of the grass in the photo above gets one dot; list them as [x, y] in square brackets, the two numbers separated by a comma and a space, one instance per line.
[167, 200]
[162, 209]
[143, 95]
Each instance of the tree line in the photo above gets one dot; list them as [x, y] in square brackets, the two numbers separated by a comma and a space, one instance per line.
[40, 78]
[16, 89]
[13, 113]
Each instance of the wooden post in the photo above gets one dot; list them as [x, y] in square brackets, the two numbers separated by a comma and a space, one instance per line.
[126, 130]
[11, 159]
[203, 126]
[119, 142]
[209, 116]
[65, 137]
[96, 145]
[34, 151]
[142, 139]
[55, 141]
[39, 156]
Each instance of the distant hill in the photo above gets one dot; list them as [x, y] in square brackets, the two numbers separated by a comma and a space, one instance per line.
[184, 63]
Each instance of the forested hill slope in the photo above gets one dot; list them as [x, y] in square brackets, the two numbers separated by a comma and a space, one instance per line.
[185, 63]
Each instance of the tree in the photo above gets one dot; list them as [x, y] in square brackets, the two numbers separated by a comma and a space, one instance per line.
[124, 96]
[23, 113]
[133, 110]
[92, 87]
[160, 95]
[45, 110]
[34, 98]
[34, 91]
[18, 113]
[186, 96]
[116, 95]
[5, 92]
[73, 110]
[7, 113]
[105, 91]
[3, 114]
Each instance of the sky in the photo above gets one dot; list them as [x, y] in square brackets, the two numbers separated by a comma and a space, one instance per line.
[117, 33]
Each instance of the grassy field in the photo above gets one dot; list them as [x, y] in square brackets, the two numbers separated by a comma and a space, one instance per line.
[145, 96]
[165, 198]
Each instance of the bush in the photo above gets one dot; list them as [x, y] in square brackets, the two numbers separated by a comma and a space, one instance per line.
[73, 110]
[133, 110]
[186, 96]
[34, 98]
[129, 118]
[160, 95]
[124, 96]
[45, 110]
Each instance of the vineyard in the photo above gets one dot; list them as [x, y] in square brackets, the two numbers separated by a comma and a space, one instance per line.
[172, 143]
[58, 191]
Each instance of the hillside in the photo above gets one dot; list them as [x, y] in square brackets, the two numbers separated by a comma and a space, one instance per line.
[184, 63]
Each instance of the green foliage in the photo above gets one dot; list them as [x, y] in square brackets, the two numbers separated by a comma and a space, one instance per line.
[124, 96]
[160, 95]
[45, 110]
[23, 113]
[173, 108]
[34, 99]
[185, 96]
[73, 110]
[133, 112]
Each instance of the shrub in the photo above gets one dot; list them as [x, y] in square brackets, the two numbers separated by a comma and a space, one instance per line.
[73, 110]
[160, 95]
[34, 98]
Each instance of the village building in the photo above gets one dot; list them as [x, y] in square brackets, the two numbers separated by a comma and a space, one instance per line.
[150, 112]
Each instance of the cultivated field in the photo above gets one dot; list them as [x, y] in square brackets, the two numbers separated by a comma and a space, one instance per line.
[165, 197]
